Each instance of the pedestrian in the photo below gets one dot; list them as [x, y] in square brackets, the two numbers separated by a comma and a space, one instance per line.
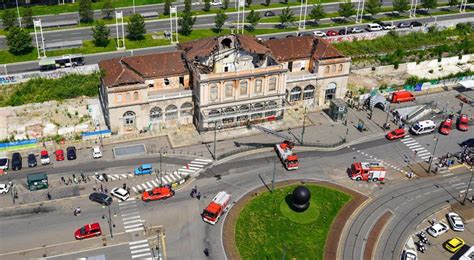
[198, 196]
[124, 186]
[105, 189]
[101, 188]
[195, 188]
[206, 252]
[192, 194]
[49, 196]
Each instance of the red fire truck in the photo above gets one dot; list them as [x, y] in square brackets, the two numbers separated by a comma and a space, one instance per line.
[287, 157]
[218, 206]
[368, 171]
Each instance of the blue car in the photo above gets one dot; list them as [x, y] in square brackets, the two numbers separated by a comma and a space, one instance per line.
[144, 169]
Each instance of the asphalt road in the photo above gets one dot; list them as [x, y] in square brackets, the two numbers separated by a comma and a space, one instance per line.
[95, 58]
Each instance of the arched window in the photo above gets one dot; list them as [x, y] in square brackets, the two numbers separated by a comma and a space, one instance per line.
[213, 92]
[229, 89]
[171, 112]
[135, 95]
[295, 94]
[339, 69]
[330, 91]
[243, 87]
[156, 114]
[258, 86]
[127, 97]
[226, 43]
[308, 92]
[272, 83]
[214, 113]
[187, 109]
[129, 118]
[326, 70]
[333, 68]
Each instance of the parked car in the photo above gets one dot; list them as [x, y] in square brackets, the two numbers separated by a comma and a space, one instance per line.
[469, 143]
[32, 160]
[96, 152]
[409, 255]
[386, 26]
[331, 33]
[101, 198]
[4, 188]
[157, 194]
[423, 127]
[71, 153]
[144, 169]
[216, 2]
[120, 193]
[396, 134]
[319, 33]
[343, 32]
[415, 24]
[356, 30]
[403, 25]
[455, 221]
[373, 27]
[454, 244]
[88, 231]
[445, 127]
[59, 155]
[44, 157]
[437, 229]
[4, 163]
[289, 36]
[16, 162]
[269, 14]
[463, 122]
[272, 38]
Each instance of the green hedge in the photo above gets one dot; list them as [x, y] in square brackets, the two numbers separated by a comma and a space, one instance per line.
[42, 90]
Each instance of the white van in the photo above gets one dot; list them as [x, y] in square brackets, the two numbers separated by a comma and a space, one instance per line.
[423, 127]
[374, 27]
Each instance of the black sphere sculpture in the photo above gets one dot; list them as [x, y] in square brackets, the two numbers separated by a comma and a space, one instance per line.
[300, 198]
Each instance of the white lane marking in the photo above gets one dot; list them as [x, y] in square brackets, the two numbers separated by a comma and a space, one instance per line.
[132, 221]
[142, 255]
[128, 218]
[140, 251]
[203, 160]
[185, 170]
[134, 189]
[129, 214]
[134, 225]
[154, 183]
[149, 184]
[195, 165]
[168, 178]
[172, 177]
[425, 157]
[130, 201]
[423, 154]
[459, 184]
[138, 242]
[409, 141]
[139, 246]
[133, 229]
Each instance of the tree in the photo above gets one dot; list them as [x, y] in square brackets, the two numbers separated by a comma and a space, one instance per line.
[186, 21]
[27, 18]
[453, 3]
[100, 34]
[429, 4]
[9, 19]
[286, 16]
[108, 9]
[19, 41]
[248, 2]
[317, 13]
[346, 9]
[85, 11]
[253, 18]
[167, 7]
[219, 20]
[267, 2]
[136, 27]
[207, 5]
[400, 6]
[373, 7]
[225, 4]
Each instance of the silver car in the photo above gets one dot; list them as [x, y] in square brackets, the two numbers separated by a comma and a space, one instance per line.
[455, 221]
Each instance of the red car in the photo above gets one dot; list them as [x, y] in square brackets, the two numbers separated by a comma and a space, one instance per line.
[88, 231]
[157, 194]
[445, 127]
[463, 122]
[396, 134]
[331, 33]
[59, 155]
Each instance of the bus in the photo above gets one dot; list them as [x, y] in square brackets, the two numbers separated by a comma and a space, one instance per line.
[52, 63]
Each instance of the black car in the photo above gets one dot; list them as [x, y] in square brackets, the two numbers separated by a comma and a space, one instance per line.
[342, 32]
[415, 24]
[32, 160]
[403, 25]
[16, 161]
[71, 153]
[290, 35]
[101, 198]
[469, 143]
[269, 14]
[272, 38]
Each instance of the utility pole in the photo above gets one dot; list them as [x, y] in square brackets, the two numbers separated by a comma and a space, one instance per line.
[468, 187]
[161, 168]
[109, 221]
[274, 171]
[134, 6]
[215, 140]
[174, 24]
[434, 151]
[388, 115]
[119, 17]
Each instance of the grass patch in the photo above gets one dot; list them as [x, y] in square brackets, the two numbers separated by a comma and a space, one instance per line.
[41, 90]
[264, 232]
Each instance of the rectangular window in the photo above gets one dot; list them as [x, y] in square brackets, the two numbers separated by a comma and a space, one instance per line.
[258, 86]
[127, 97]
[243, 88]
[272, 84]
[213, 92]
[167, 82]
[229, 90]
[135, 95]
[119, 98]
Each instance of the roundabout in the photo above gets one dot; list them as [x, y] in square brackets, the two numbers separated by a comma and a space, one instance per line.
[296, 220]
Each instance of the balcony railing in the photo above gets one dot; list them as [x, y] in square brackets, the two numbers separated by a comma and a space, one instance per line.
[171, 95]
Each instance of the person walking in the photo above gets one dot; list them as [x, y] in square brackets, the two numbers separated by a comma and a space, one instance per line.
[198, 196]
[206, 252]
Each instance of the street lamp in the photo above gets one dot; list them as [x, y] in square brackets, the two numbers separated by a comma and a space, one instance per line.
[110, 222]
[161, 166]
[133, 6]
[468, 187]
[434, 151]
[304, 124]
[215, 139]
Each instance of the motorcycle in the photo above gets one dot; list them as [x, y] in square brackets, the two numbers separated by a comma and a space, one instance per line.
[77, 211]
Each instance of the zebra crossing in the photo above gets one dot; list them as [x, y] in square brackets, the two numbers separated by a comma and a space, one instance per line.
[176, 176]
[130, 216]
[140, 249]
[120, 176]
[416, 147]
